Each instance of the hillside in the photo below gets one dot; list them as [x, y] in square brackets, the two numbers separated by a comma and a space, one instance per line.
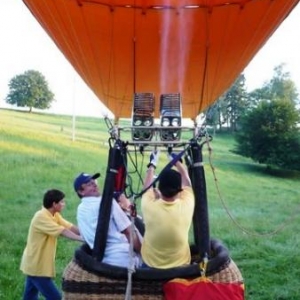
[253, 212]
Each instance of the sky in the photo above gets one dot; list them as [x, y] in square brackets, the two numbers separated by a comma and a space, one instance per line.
[24, 45]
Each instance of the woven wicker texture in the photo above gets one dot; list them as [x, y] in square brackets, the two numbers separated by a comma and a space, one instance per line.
[78, 284]
[230, 274]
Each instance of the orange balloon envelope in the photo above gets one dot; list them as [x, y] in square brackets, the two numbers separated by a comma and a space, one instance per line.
[193, 47]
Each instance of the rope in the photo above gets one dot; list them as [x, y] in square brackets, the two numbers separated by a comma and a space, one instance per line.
[237, 224]
[138, 172]
[131, 267]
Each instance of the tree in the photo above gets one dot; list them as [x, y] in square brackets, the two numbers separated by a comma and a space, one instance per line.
[214, 114]
[279, 87]
[269, 129]
[236, 100]
[30, 90]
[270, 134]
[230, 106]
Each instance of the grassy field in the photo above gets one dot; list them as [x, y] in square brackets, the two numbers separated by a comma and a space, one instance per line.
[253, 212]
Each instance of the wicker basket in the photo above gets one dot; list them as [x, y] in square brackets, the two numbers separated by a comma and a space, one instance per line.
[79, 284]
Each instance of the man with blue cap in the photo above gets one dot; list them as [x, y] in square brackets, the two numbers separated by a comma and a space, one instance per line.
[117, 250]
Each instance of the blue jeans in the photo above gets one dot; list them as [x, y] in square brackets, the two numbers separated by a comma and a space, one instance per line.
[44, 285]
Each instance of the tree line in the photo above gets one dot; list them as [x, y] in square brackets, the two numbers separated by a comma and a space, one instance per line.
[265, 122]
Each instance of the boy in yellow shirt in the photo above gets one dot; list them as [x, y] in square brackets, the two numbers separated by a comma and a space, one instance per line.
[38, 260]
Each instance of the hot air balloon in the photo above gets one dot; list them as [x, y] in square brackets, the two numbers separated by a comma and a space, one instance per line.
[195, 48]
[146, 59]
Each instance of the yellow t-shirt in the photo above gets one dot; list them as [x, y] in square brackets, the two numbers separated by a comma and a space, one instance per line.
[167, 225]
[39, 254]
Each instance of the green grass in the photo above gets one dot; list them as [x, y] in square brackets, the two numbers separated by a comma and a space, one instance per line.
[253, 212]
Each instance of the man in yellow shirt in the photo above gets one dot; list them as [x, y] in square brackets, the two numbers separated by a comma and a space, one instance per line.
[167, 215]
[38, 260]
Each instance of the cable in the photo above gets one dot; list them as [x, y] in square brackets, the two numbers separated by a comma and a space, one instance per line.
[237, 224]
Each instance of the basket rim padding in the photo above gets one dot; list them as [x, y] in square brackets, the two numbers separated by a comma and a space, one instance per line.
[219, 261]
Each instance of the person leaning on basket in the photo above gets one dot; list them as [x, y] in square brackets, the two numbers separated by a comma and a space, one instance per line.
[38, 260]
[117, 250]
[167, 214]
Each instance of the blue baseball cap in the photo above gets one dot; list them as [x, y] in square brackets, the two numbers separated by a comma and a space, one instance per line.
[83, 178]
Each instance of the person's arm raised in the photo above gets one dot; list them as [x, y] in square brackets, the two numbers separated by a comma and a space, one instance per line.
[154, 156]
[186, 181]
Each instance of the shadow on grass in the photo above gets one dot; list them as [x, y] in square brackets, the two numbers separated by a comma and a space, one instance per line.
[282, 173]
[248, 167]
[254, 167]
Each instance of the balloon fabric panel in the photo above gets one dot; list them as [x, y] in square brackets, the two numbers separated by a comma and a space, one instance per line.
[124, 47]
